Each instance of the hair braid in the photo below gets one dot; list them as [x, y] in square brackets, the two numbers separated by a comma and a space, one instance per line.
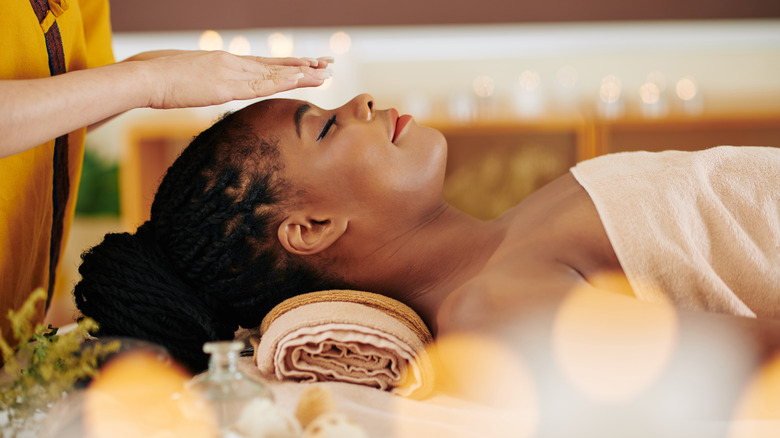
[208, 260]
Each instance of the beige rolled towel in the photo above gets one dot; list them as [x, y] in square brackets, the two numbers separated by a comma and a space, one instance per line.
[347, 336]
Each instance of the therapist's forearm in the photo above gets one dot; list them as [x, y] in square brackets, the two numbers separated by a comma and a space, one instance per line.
[37, 110]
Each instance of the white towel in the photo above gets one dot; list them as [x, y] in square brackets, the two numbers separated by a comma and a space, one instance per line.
[699, 228]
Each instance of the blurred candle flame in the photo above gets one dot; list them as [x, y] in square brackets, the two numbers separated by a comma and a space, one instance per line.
[530, 80]
[210, 40]
[687, 89]
[649, 93]
[281, 45]
[340, 42]
[483, 370]
[137, 395]
[240, 46]
[608, 354]
[610, 89]
[761, 400]
[484, 86]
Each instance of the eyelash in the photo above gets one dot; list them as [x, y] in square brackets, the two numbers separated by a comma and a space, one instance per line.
[328, 124]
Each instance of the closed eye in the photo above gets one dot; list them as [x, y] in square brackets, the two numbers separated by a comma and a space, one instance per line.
[327, 126]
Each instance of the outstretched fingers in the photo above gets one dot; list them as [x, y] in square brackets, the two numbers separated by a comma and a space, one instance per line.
[321, 62]
[187, 79]
[275, 79]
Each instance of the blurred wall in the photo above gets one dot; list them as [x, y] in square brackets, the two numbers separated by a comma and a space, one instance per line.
[155, 15]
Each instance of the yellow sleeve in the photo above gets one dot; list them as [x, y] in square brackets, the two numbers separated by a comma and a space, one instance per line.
[97, 32]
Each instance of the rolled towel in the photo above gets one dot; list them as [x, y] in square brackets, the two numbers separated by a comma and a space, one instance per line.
[347, 336]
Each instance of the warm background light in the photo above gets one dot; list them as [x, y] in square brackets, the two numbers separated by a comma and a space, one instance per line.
[340, 43]
[484, 370]
[687, 89]
[649, 93]
[761, 400]
[484, 86]
[239, 45]
[138, 395]
[610, 355]
[281, 45]
[610, 89]
[210, 40]
[530, 80]
[657, 78]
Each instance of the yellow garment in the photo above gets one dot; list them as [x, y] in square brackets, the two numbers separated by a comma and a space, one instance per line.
[26, 178]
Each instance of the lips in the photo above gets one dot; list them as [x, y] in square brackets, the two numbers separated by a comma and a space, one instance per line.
[393, 122]
[400, 124]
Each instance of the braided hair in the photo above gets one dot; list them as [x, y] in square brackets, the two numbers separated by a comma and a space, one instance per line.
[208, 260]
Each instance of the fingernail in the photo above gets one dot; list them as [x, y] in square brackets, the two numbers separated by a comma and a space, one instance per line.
[313, 62]
[296, 77]
[328, 59]
[325, 74]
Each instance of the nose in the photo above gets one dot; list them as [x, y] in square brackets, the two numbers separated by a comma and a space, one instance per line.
[361, 107]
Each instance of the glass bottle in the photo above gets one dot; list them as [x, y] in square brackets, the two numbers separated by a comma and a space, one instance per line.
[227, 389]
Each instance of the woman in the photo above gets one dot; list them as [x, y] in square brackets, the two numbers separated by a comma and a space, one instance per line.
[283, 198]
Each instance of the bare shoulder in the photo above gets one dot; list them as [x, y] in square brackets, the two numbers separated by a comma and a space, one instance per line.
[505, 291]
[559, 225]
[555, 243]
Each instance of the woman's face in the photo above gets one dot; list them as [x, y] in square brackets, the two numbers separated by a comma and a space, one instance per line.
[356, 156]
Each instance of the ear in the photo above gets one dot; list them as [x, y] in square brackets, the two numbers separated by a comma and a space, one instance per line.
[303, 234]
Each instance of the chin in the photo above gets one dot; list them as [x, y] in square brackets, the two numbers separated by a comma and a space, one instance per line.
[438, 157]
[440, 148]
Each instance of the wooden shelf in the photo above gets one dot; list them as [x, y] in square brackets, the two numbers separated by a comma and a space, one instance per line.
[493, 165]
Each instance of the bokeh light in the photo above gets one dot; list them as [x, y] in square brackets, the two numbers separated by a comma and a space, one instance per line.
[609, 351]
[657, 78]
[529, 80]
[340, 42]
[239, 45]
[281, 45]
[610, 89]
[138, 395]
[483, 370]
[484, 86]
[649, 93]
[210, 40]
[761, 400]
[687, 89]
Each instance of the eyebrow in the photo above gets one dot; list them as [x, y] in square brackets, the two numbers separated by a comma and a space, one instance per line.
[298, 115]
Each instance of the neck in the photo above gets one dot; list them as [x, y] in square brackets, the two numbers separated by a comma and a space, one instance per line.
[421, 265]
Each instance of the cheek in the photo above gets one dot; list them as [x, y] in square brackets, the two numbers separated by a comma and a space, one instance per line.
[356, 175]
[362, 171]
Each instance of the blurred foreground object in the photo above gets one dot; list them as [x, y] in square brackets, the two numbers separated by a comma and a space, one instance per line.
[241, 406]
[139, 395]
[44, 367]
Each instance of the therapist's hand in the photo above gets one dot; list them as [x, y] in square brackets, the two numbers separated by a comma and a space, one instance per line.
[178, 79]
[33, 111]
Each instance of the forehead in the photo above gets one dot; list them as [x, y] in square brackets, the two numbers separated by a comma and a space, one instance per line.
[274, 120]
[273, 117]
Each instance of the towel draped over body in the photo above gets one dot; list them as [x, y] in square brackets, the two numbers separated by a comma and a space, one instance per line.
[701, 229]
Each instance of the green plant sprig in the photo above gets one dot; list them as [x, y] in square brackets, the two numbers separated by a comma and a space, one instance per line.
[45, 365]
